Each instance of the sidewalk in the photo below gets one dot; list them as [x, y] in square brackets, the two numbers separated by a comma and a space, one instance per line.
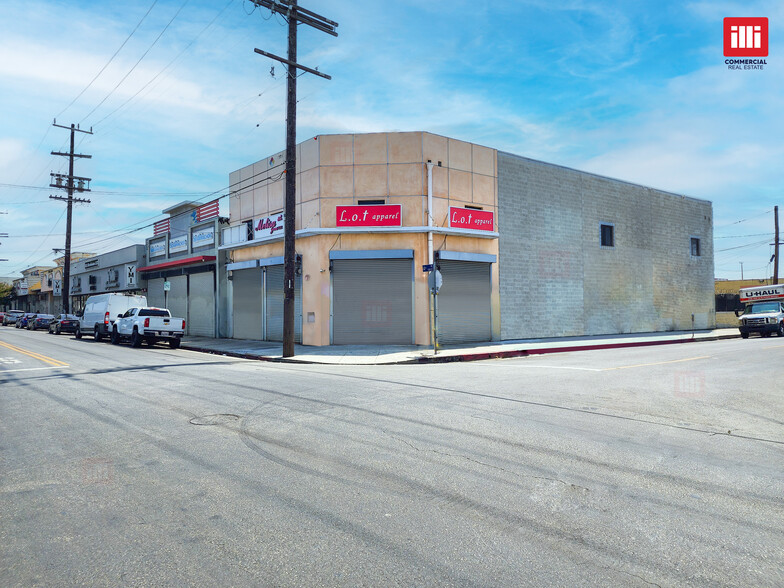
[403, 354]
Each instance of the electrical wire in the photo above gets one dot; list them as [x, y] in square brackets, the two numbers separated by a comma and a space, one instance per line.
[155, 77]
[146, 14]
[129, 229]
[743, 220]
[130, 71]
[57, 222]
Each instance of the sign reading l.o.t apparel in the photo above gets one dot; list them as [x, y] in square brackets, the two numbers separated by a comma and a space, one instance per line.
[470, 218]
[377, 215]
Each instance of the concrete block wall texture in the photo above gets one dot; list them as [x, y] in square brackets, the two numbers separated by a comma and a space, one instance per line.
[557, 280]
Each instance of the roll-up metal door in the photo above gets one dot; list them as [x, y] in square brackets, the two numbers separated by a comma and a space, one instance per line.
[246, 302]
[177, 299]
[155, 292]
[201, 304]
[372, 301]
[464, 302]
[274, 304]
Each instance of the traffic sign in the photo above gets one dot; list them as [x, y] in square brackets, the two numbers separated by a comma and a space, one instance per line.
[435, 280]
[428, 267]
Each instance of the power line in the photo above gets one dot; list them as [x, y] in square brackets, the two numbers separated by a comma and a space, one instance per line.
[130, 71]
[756, 244]
[134, 230]
[743, 220]
[155, 77]
[87, 87]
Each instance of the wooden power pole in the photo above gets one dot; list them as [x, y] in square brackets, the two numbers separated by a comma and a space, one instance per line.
[776, 245]
[71, 184]
[295, 15]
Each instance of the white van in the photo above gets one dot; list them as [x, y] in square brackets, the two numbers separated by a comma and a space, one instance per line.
[101, 311]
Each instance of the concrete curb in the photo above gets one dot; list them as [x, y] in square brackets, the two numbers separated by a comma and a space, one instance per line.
[461, 357]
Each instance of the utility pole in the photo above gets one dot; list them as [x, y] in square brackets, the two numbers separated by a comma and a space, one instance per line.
[776, 245]
[295, 15]
[741, 270]
[70, 186]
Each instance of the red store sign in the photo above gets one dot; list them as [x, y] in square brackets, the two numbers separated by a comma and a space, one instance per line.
[470, 218]
[379, 215]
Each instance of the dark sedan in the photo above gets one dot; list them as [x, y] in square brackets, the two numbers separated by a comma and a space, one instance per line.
[40, 321]
[21, 322]
[64, 323]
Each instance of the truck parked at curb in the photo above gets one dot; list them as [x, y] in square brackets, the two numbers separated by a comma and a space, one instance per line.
[764, 312]
[148, 324]
[100, 312]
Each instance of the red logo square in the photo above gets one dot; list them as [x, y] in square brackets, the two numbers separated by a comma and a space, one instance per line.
[746, 37]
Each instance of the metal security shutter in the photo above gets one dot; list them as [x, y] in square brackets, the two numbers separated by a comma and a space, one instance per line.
[155, 292]
[372, 301]
[201, 304]
[464, 302]
[246, 301]
[274, 303]
[177, 298]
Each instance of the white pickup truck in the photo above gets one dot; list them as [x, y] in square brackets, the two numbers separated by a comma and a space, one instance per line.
[150, 325]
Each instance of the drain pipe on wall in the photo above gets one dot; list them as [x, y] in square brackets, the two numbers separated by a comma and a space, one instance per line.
[433, 294]
[430, 211]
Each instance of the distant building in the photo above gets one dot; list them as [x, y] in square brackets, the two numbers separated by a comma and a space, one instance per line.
[182, 268]
[115, 271]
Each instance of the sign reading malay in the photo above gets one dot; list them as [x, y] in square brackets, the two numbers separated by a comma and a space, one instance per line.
[177, 244]
[376, 215]
[267, 226]
[203, 237]
[470, 218]
[157, 248]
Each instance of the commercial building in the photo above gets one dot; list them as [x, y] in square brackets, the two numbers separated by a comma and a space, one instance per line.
[182, 270]
[524, 248]
[116, 271]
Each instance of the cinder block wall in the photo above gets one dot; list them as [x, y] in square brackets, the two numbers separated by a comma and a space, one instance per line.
[557, 280]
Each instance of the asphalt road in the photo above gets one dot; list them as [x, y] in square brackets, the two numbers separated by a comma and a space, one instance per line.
[152, 467]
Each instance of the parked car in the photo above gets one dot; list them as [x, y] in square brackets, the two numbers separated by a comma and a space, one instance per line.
[39, 322]
[100, 312]
[63, 323]
[21, 322]
[149, 325]
[11, 316]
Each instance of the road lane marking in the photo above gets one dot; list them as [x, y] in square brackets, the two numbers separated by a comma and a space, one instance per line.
[51, 361]
[54, 367]
[551, 367]
[626, 367]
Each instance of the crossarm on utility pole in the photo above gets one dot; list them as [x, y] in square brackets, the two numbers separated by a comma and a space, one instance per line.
[292, 64]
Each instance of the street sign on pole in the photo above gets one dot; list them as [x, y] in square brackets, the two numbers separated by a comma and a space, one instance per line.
[434, 280]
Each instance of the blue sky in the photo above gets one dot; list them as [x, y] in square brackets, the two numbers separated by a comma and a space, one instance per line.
[632, 90]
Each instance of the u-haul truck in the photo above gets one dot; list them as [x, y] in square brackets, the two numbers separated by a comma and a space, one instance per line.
[764, 312]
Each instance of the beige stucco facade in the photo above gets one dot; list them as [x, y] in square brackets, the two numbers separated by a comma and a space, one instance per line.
[376, 168]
